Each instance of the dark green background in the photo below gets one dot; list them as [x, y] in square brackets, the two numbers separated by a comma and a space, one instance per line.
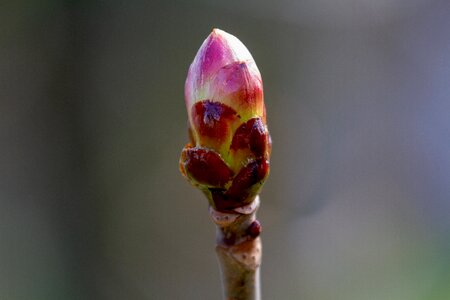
[92, 121]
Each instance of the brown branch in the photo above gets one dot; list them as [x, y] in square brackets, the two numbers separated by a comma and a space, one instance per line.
[239, 251]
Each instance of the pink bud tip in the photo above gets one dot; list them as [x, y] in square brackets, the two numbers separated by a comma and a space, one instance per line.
[224, 71]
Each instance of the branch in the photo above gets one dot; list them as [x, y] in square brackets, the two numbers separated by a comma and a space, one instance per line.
[239, 251]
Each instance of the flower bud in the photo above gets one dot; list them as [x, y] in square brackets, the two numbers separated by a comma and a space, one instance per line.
[230, 144]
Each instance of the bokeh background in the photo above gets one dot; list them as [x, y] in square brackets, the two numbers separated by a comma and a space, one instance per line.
[92, 121]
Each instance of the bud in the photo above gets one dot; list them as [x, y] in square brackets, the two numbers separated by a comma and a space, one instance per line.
[228, 157]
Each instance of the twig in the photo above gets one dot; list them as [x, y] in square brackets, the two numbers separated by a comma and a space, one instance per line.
[228, 154]
[239, 251]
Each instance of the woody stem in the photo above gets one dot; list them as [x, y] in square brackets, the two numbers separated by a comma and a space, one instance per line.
[239, 251]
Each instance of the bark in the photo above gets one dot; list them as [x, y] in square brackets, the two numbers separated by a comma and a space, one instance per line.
[239, 251]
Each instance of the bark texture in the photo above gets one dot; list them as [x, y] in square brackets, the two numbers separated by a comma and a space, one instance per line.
[239, 251]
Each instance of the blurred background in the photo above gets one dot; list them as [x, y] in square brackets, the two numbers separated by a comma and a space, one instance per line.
[92, 122]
